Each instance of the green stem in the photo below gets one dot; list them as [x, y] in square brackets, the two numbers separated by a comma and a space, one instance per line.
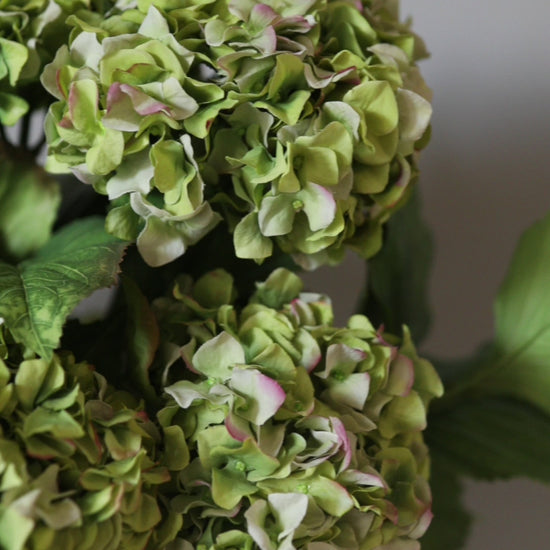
[25, 127]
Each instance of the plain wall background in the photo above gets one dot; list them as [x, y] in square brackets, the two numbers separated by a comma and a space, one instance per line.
[484, 180]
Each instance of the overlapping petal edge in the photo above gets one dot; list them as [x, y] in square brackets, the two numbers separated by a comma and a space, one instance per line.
[30, 33]
[295, 434]
[296, 125]
[79, 462]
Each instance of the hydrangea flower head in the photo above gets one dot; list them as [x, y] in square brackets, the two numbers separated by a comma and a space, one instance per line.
[296, 124]
[296, 434]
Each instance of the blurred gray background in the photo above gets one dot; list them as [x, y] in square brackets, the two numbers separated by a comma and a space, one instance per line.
[485, 178]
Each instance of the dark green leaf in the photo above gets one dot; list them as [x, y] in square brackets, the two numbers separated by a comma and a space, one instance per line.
[397, 292]
[143, 336]
[459, 371]
[37, 295]
[492, 438]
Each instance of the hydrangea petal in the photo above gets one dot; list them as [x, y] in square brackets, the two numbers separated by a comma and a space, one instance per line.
[264, 396]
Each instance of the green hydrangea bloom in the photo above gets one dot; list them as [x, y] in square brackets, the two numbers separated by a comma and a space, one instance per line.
[79, 462]
[298, 124]
[30, 33]
[292, 433]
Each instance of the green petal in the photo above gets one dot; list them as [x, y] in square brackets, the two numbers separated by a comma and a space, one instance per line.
[217, 357]
[276, 215]
[376, 102]
[14, 55]
[249, 241]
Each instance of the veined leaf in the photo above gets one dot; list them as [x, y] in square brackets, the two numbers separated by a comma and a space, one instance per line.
[492, 438]
[398, 279]
[37, 295]
[522, 319]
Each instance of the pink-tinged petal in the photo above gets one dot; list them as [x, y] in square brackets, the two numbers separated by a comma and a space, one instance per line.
[297, 23]
[200, 483]
[113, 94]
[266, 42]
[319, 205]
[261, 16]
[264, 395]
[97, 441]
[315, 360]
[353, 391]
[143, 416]
[342, 358]
[404, 176]
[144, 104]
[65, 122]
[271, 389]
[340, 431]
[60, 87]
[401, 376]
[332, 497]
[121, 114]
[422, 525]
[287, 45]
[308, 347]
[319, 78]
[186, 353]
[391, 512]
[233, 513]
[357, 477]
[382, 341]
[237, 428]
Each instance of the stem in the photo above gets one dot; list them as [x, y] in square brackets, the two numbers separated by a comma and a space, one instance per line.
[24, 135]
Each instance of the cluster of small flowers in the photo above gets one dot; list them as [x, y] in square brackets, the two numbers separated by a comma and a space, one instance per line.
[296, 124]
[277, 430]
[295, 433]
[79, 466]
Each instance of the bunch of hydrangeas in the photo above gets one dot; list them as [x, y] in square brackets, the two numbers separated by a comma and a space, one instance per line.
[292, 433]
[295, 123]
[30, 33]
[78, 462]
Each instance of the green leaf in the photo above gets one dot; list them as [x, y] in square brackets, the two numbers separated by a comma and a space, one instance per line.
[492, 438]
[29, 200]
[522, 320]
[12, 108]
[143, 336]
[397, 292]
[451, 522]
[37, 295]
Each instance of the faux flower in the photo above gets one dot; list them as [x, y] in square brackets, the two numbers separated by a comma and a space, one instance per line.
[30, 33]
[296, 124]
[79, 463]
[292, 433]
